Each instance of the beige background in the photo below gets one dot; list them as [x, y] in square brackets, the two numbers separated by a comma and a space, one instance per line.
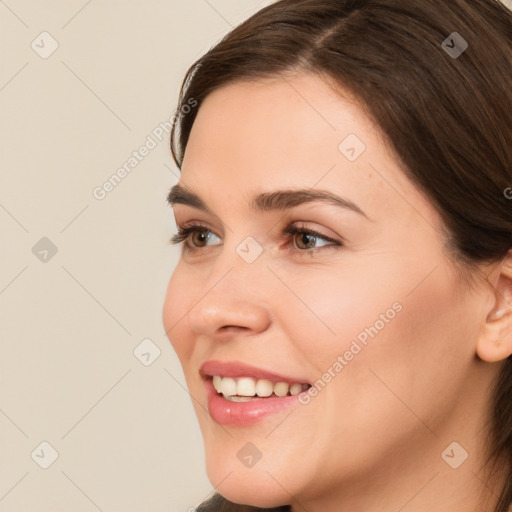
[125, 433]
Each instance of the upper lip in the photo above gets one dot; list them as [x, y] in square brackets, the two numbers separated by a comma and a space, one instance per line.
[236, 369]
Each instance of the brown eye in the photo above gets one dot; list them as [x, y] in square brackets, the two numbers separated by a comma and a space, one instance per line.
[308, 241]
[200, 236]
[194, 236]
[305, 240]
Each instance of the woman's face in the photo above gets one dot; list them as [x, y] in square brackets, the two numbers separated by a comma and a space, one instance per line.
[371, 307]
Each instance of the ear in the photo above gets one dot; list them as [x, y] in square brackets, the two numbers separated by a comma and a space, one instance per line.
[495, 340]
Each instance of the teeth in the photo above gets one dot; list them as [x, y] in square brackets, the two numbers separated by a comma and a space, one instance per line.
[281, 388]
[243, 388]
[217, 383]
[295, 389]
[238, 398]
[228, 386]
[264, 387]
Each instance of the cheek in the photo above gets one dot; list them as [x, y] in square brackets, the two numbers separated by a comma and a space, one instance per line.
[407, 326]
[177, 303]
[333, 307]
[417, 354]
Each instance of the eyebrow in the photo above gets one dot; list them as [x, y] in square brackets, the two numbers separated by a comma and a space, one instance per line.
[268, 201]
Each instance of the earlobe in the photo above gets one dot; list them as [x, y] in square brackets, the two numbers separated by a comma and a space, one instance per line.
[495, 341]
[493, 354]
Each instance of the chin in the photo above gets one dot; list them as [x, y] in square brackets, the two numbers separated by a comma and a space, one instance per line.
[248, 486]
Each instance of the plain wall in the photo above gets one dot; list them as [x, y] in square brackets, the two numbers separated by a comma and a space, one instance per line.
[72, 321]
[126, 435]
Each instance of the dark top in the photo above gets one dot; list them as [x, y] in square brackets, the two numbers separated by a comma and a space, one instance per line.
[218, 503]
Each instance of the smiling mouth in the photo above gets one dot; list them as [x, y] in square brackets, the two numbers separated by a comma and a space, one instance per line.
[245, 389]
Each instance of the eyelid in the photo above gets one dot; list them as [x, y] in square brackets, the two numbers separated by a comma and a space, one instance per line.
[186, 229]
[290, 230]
[299, 227]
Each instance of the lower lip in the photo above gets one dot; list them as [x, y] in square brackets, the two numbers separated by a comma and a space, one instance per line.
[226, 412]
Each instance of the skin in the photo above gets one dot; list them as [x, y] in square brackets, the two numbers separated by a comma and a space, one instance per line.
[372, 439]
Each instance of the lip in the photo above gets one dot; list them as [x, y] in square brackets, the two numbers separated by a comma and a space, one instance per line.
[243, 414]
[235, 369]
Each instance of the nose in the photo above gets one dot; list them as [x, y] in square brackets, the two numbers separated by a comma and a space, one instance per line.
[228, 307]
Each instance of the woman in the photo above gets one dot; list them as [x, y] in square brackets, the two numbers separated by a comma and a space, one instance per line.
[342, 306]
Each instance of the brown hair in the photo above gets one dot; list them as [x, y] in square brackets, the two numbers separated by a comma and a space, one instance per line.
[447, 116]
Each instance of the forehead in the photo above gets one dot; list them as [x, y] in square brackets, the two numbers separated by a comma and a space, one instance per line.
[281, 113]
[294, 132]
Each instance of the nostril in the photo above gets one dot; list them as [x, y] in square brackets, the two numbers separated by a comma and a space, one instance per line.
[231, 329]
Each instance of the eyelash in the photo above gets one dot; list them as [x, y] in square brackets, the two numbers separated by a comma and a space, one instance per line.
[184, 232]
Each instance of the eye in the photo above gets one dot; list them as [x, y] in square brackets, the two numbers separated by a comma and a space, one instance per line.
[306, 240]
[195, 233]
